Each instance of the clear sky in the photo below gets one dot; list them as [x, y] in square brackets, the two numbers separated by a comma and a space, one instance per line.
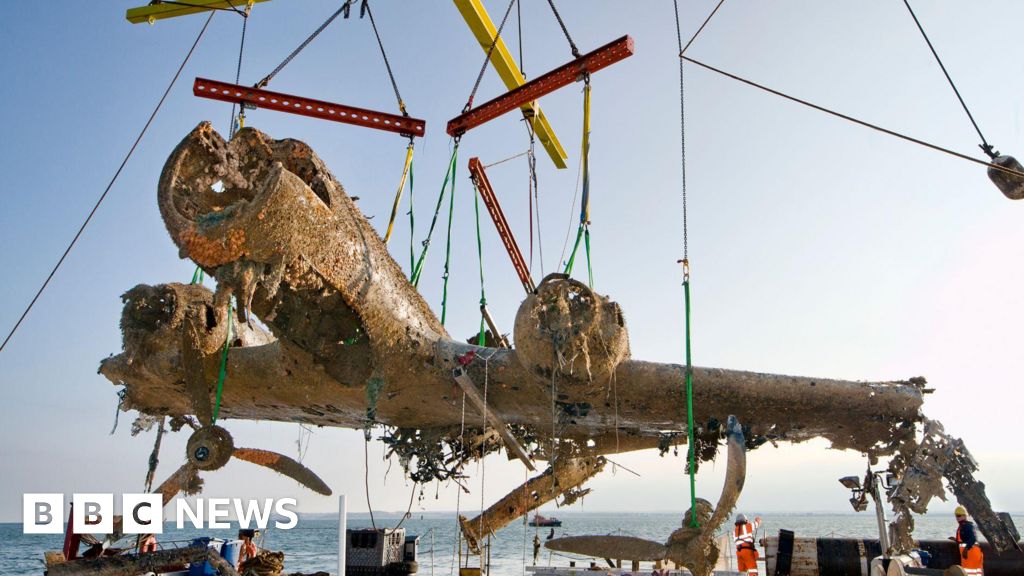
[819, 248]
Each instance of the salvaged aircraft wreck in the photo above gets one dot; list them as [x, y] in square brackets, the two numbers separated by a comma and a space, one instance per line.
[353, 344]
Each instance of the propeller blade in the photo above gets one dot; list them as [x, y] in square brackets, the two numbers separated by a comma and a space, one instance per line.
[609, 547]
[284, 465]
[184, 480]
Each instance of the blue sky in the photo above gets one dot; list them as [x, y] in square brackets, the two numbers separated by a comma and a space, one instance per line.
[819, 248]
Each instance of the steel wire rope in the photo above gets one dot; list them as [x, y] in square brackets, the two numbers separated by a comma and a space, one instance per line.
[366, 475]
[387, 64]
[683, 49]
[985, 146]
[487, 58]
[110, 185]
[408, 510]
[561, 23]
[531, 158]
[855, 120]
[238, 74]
[457, 550]
[343, 9]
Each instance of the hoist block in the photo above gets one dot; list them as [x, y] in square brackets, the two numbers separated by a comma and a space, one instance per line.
[483, 186]
[559, 77]
[160, 10]
[261, 98]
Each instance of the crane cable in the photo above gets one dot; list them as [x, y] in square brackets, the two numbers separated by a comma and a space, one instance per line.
[853, 120]
[345, 7]
[238, 122]
[490, 50]
[111, 184]
[985, 146]
[691, 448]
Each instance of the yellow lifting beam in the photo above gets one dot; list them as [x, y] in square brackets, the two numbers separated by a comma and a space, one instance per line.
[475, 15]
[160, 10]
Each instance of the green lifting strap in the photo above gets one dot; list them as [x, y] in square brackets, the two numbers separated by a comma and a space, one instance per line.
[222, 374]
[448, 243]
[197, 276]
[414, 278]
[689, 402]
[481, 339]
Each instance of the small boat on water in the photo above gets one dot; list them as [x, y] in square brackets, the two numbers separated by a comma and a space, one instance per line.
[544, 521]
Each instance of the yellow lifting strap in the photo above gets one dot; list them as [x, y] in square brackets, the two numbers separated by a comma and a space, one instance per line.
[398, 194]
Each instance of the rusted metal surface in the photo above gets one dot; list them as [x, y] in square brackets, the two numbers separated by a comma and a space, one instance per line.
[354, 344]
[483, 187]
[564, 475]
[260, 98]
[493, 418]
[564, 75]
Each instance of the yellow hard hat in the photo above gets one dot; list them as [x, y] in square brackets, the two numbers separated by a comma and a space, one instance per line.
[960, 511]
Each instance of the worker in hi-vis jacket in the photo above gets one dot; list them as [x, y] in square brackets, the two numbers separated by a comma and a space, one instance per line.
[971, 557]
[746, 551]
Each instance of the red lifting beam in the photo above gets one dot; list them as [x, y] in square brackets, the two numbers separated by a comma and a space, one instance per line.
[261, 98]
[559, 77]
[483, 185]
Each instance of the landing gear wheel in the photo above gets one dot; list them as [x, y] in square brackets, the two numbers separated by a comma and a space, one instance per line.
[209, 448]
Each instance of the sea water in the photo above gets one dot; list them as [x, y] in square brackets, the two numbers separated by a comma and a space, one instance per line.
[313, 544]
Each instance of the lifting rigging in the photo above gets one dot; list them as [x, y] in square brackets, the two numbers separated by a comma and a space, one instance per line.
[258, 97]
[522, 95]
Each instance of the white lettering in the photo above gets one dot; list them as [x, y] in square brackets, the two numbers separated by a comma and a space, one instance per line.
[195, 516]
[93, 513]
[253, 511]
[217, 508]
[280, 508]
[42, 513]
[143, 513]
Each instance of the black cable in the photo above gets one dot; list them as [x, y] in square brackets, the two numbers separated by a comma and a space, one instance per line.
[494, 42]
[683, 49]
[575, 51]
[682, 118]
[519, 25]
[110, 185]
[394, 84]
[344, 8]
[238, 75]
[984, 144]
[856, 121]
[366, 478]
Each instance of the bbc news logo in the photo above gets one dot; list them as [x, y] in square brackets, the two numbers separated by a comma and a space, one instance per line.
[144, 513]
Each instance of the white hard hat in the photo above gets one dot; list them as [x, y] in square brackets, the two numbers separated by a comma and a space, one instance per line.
[741, 519]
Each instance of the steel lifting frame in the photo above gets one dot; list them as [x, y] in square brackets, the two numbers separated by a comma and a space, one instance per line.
[160, 10]
[559, 77]
[260, 98]
[483, 185]
[479, 22]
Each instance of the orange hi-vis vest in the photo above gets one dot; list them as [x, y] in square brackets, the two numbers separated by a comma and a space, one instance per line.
[744, 535]
[973, 562]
